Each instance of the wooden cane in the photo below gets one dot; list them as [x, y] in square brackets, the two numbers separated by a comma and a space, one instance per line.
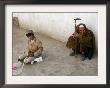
[76, 38]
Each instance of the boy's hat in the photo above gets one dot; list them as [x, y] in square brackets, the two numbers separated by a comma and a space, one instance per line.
[29, 32]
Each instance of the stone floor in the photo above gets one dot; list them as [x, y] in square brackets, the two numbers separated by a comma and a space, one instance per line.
[57, 61]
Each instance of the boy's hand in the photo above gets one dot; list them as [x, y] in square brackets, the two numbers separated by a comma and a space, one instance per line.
[30, 53]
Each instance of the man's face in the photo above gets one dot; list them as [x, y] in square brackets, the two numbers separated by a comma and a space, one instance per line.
[81, 29]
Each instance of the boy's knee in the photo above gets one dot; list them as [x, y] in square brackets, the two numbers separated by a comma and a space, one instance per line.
[28, 60]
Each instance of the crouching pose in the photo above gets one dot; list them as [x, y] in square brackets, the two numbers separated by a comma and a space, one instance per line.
[82, 42]
[34, 49]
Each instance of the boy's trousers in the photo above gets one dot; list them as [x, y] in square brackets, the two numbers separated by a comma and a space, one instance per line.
[27, 59]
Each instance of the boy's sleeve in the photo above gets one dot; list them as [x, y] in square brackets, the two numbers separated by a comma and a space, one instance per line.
[40, 44]
[40, 48]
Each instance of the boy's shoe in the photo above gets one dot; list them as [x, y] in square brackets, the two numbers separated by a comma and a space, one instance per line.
[20, 60]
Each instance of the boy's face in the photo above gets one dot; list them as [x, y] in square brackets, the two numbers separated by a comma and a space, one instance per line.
[31, 37]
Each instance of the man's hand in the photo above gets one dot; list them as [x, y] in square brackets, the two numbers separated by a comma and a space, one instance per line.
[75, 34]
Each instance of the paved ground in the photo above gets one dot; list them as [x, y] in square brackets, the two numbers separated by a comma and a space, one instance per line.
[57, 61]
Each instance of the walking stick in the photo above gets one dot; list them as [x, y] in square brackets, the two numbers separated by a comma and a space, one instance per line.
[75, 22]
[76, 38]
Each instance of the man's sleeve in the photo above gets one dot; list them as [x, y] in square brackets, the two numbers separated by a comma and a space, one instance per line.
[87, 39]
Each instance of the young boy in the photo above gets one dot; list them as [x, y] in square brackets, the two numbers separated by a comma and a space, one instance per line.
[34, 48]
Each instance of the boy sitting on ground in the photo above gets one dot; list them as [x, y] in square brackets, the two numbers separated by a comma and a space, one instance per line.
[34, 49]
